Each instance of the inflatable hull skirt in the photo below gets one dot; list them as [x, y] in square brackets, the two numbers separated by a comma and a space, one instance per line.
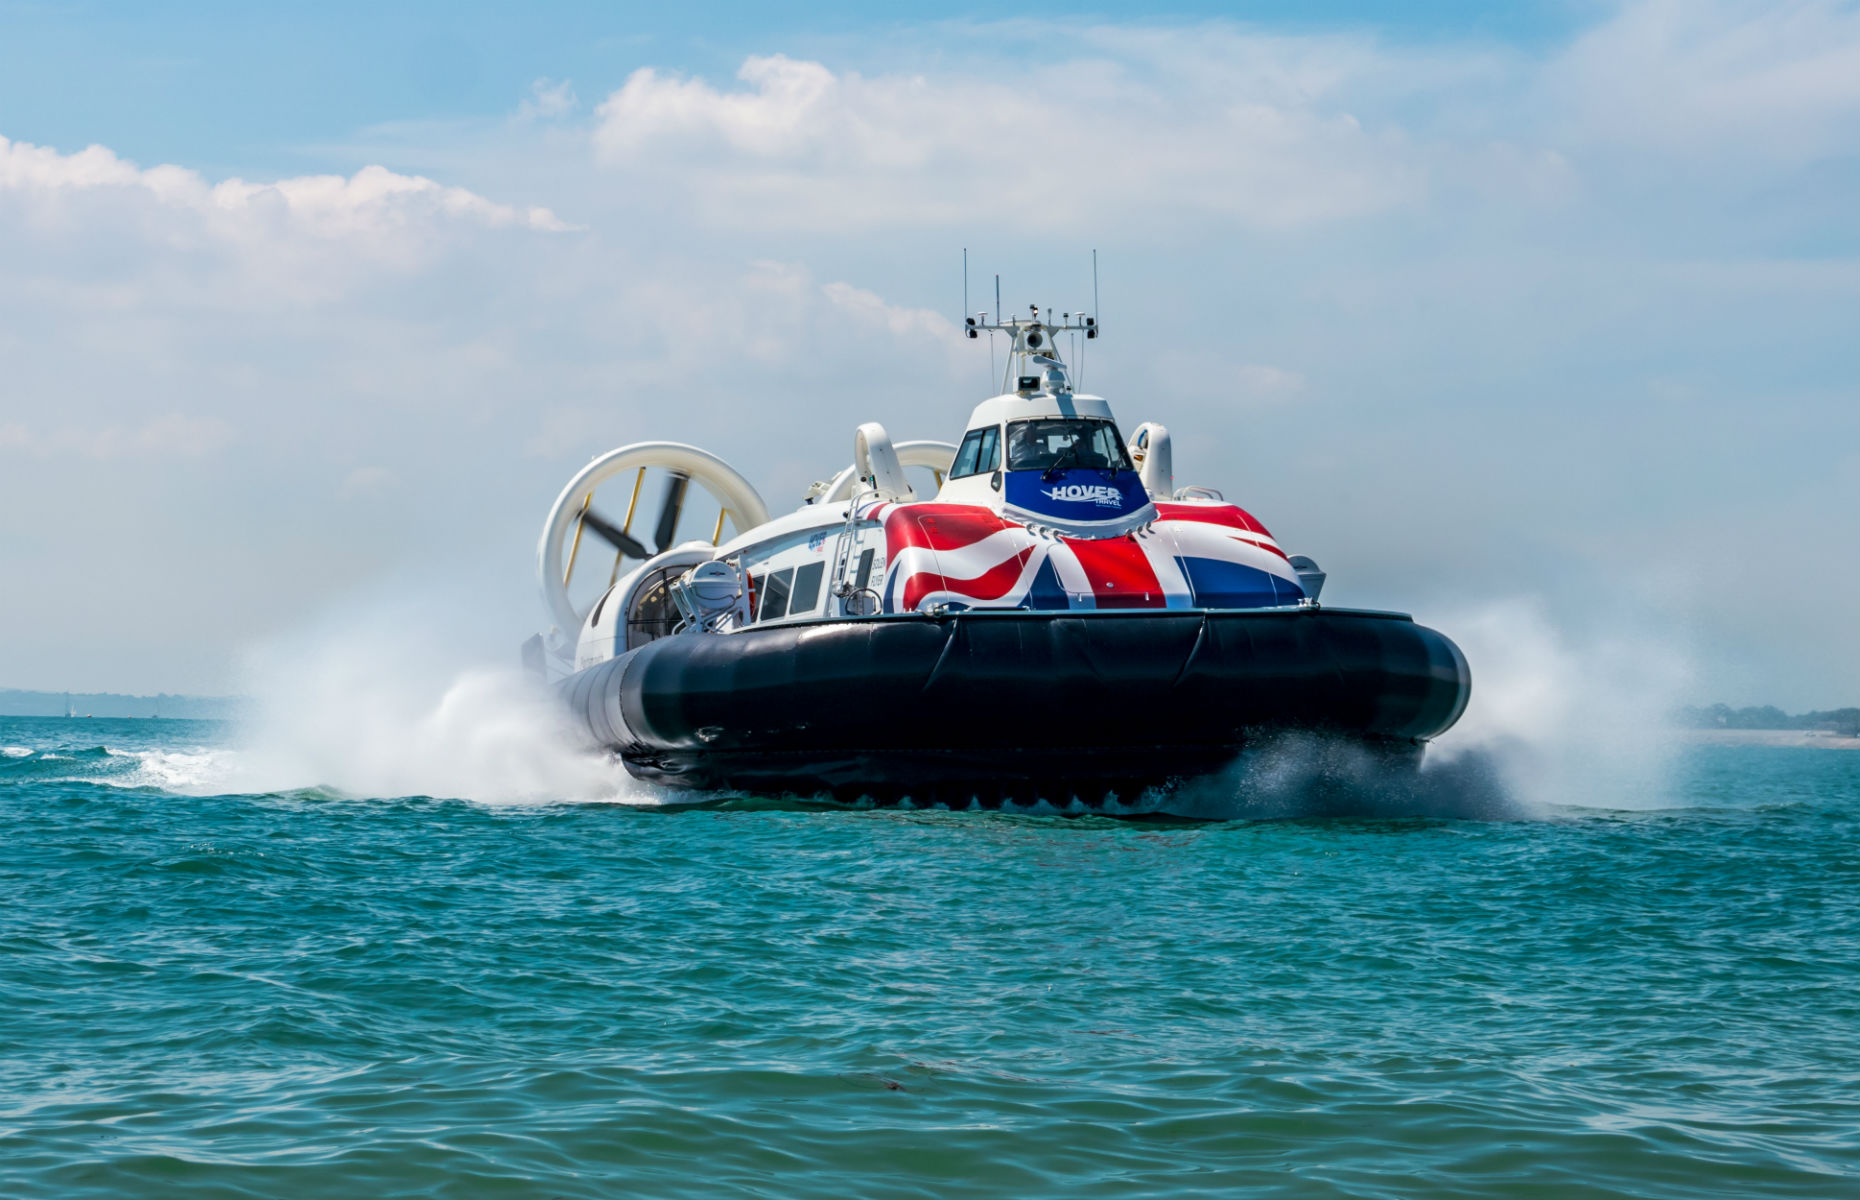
[981, 705]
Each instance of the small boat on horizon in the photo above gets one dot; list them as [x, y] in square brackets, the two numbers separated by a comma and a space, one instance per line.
[1041, 613]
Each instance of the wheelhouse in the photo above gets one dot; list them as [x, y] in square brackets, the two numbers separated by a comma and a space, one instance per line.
[1059, 443]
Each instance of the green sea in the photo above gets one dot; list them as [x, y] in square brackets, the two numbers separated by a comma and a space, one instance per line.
[307, 993]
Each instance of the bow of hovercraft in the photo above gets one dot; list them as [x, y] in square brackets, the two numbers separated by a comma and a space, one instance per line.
[1039, 611]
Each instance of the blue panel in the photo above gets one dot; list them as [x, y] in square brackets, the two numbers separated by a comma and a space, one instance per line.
[1216, 583]
[888, 602]
[1078, 494]
[1045, 591]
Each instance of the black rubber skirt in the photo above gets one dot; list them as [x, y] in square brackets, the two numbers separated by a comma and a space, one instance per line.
[1012, 703]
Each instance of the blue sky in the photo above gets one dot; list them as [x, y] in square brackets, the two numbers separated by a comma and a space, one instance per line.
[251, 86]
[1548, 309]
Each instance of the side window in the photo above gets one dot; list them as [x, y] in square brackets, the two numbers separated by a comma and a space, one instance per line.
[775, 598]
[865, 571]
[990, 457]
[755, 594]
[967, 455]
[806, 589]
[653, 615]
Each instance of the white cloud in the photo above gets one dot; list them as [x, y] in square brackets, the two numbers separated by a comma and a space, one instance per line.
[869, 310]
[794, 106]
[103, 235]
[548, 99]
[166, 437]
[1780, 81]
[1221, 125]
[1063, 146]
[374, 202]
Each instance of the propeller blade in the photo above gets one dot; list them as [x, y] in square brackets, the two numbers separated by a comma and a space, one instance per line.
[610, 533]
[670, 509]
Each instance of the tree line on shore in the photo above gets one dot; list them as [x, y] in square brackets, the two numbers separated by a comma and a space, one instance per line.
[1768, 716]
[16, 702]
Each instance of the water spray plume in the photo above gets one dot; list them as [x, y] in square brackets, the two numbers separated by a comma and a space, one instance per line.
[378, 706]
[1555, 720]
[1569, 718]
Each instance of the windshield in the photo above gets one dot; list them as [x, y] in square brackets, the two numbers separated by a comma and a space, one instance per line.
[1044, 443]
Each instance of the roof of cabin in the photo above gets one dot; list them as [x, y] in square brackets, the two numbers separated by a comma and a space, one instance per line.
[1015, 406]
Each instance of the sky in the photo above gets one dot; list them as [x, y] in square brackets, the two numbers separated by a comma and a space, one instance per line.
[1548, 305]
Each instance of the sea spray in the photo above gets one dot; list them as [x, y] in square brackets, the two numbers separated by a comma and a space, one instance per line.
[1566, 717]
[1555, 718]
[380, 705]
[1298, 774]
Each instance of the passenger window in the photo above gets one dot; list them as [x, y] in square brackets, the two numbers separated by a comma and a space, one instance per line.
[806, 589]
[755, 594]
[865, 571]
[967, 456]
[775, 599]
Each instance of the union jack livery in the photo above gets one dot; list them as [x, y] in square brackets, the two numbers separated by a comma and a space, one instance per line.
[1039, 612]
[1209, 555]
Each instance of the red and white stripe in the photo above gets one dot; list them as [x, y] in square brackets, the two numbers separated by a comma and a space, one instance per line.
[940, 553]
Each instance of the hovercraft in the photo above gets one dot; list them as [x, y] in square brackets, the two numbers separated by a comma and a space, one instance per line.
[1041, 614]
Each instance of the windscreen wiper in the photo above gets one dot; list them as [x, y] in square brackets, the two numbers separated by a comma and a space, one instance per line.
[1052, 472]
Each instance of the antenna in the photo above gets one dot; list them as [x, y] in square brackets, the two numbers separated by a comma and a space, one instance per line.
[965, 281]
[1034, 340]
[1094, 286]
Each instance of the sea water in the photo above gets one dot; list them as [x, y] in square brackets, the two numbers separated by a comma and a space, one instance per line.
[212, 989]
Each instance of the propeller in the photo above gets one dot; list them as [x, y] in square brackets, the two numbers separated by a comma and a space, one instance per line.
[670, 509]
[613, 535]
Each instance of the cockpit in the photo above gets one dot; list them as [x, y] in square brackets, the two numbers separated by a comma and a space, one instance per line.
[1058, 443]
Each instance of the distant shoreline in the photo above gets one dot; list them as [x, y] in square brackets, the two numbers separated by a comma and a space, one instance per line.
[1812, 738]
[20, 702]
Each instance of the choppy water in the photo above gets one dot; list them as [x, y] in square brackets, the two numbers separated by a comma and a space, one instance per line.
[304, 994]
